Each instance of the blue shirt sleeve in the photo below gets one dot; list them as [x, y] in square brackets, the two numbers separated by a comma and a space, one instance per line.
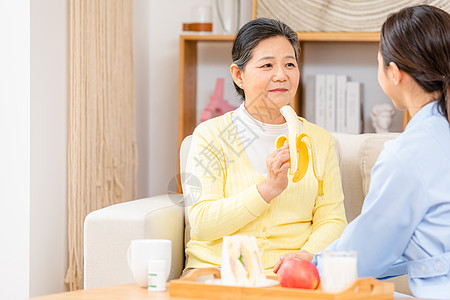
[392, 209]
[397, 269]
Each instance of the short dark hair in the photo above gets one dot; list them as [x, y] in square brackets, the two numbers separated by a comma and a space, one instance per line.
[252, 33]
[417, 39]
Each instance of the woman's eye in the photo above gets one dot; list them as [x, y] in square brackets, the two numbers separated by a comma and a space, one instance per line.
[267, 65]
[290, 65]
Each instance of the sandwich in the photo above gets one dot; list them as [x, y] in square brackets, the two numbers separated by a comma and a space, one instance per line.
[241, 261]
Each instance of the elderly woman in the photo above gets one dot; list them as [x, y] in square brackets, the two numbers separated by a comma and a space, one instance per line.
[245, 186]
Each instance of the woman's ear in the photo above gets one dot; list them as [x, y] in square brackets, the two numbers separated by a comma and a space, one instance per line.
[395, 73]
[237, 75]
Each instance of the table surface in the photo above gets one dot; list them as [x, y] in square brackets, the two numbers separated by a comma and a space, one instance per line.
[129, 291]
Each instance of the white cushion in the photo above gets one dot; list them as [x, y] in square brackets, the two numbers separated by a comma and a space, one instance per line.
[108, 233]
[368, 154]
[356, 150]
[184, 152]
[351, 178]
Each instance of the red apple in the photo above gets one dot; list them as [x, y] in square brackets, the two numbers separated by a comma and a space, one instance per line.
[296, 273]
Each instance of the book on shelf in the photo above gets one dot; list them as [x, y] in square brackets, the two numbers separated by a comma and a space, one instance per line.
[330, 102]
[353, 108]
[320, 100]
[341, 103]
[310, 98]
[333, 102]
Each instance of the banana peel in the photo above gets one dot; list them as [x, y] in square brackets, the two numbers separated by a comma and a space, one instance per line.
[299, 155]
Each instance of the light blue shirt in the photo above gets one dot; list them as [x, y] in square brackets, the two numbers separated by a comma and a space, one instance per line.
[404, 225]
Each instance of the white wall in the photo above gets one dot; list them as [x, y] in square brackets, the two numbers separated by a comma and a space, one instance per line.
[141, 31]
[49, 83]
[157, 27]
[14, 149]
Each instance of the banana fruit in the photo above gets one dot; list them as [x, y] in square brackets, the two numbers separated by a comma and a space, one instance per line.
[299, 155]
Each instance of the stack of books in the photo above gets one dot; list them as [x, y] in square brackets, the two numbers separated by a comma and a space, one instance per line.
[334, 102]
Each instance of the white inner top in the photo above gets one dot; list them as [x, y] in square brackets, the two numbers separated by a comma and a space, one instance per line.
[257, 137]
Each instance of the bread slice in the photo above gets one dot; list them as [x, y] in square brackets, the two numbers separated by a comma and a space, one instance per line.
[241, 261]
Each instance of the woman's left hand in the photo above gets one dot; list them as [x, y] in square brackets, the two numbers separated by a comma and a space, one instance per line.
[302, 254]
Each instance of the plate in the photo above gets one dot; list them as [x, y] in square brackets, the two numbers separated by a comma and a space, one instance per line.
[266, 283]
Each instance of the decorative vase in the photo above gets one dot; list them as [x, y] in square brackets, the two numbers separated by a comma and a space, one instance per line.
[229, 13]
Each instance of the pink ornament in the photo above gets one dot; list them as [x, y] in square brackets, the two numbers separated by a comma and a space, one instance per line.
[217, 106]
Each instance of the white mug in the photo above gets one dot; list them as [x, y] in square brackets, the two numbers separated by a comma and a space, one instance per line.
[140, 252]
[339, 270]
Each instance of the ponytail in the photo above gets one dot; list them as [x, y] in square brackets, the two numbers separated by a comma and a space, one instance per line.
[446, 95]
[444, 102]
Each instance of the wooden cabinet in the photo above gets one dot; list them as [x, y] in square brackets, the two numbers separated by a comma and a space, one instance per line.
[188, 69]
[187, 107]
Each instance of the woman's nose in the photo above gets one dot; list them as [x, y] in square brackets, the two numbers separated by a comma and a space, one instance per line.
[279, 75]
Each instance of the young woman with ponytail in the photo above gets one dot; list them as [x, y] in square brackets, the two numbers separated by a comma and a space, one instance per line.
[404, 226]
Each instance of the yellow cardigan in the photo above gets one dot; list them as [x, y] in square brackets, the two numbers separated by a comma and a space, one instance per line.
[229, 203]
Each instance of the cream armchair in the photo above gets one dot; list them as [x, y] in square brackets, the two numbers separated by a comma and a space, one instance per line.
[109, 231]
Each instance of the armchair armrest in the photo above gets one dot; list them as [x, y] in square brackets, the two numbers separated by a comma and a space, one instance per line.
[109, 231]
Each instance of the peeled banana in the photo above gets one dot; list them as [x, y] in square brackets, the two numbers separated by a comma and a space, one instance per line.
[299, 155]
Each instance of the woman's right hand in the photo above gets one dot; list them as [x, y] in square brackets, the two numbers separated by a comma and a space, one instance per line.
[302, 255]
[277, 170]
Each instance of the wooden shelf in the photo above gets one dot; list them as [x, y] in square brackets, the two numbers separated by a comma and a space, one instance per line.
[188, 69]
[207, 37]
[339, 37]
[303, 37]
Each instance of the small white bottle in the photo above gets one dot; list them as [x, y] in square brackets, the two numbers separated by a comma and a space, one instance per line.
[157, 275]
